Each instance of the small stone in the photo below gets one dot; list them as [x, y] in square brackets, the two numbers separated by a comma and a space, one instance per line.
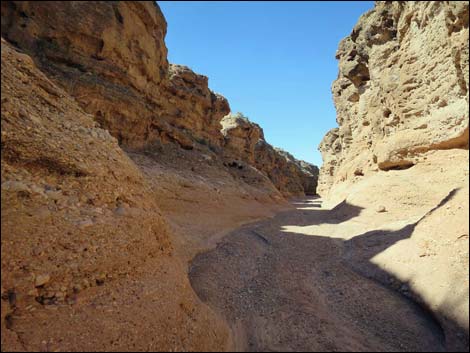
[42, 280]
[358, 172]
[100, 279]
[36, 189]
[59, 295]
[54, 195]
[84, 223]
[121, 211]
[381, 209]
[15, 186]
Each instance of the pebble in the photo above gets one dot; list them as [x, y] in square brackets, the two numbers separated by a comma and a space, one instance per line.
[381, 209]
[14, 186]
[37, 189]
[54, 195]
[121, 211]
[84, 223]
[42, 280]
[37, 251]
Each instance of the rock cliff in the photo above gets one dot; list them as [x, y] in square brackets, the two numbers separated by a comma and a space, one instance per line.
[401, 145]
[114, 63]
[402, 90]
[244, 139]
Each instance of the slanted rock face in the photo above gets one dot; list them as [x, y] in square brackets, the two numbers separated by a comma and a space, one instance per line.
[402, 89]
[195, 108]
[307, 173]
[244, 140]
[241, 136]
[112, 58]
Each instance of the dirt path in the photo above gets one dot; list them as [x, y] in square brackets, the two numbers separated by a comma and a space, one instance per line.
[281, 290]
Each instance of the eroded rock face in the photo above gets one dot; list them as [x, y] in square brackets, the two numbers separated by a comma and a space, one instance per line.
[402, 89]
[78, 214]
[244, 140]
[113, 60]
[195, 108]
[241, 136]
[307, 174]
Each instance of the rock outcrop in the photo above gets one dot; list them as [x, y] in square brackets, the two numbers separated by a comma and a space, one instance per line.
[114, 63]
[305, 173]
[244, 140]
[197, 109]
[402, 90]
[402, 103]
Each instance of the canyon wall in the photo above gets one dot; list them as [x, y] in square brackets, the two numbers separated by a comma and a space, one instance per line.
[245, 140]
[402, 90]
[83, 236]
[115, 173]
[112, 59]
[400, 151]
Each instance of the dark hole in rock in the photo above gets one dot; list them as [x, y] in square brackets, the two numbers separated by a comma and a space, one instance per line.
[402, 165]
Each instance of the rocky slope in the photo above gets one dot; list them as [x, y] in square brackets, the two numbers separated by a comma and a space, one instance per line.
[83, 238]
[114, 63]
[402, 90]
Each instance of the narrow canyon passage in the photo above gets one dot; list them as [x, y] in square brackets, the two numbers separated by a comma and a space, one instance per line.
[141, 210]
[282, 288]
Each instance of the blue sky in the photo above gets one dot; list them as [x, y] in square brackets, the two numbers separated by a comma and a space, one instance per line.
[273, 61]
